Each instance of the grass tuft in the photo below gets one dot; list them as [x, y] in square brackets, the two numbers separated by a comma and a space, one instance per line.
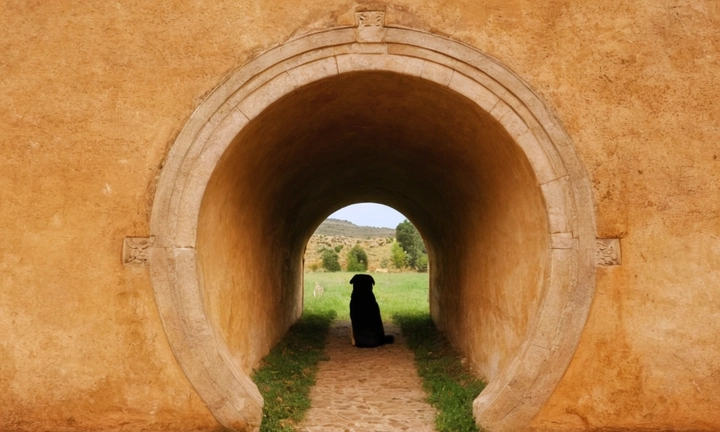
[450, 386]
[287, 373]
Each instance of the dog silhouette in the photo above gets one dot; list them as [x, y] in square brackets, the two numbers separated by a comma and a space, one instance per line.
[367, 325]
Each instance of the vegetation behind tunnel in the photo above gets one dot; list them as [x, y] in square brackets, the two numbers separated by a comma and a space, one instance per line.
[368, 248]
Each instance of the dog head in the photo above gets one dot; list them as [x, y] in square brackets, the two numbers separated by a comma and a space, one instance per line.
[362, 280]
[362, 286]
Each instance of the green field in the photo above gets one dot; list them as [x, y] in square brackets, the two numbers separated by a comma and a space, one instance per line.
[395, 293]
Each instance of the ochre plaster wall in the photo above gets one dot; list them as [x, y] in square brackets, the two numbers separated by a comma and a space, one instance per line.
[92, 94]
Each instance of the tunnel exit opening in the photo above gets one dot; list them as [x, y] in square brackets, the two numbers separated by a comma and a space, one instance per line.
[456, 142]
[369, 230]
[367, 238]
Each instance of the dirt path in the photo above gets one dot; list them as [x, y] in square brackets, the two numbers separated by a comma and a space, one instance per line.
[373, 389]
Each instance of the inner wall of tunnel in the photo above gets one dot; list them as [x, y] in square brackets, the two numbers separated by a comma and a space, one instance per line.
[404, 141]
[465, 150]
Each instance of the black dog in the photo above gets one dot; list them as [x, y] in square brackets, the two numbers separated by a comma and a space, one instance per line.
[367, 326]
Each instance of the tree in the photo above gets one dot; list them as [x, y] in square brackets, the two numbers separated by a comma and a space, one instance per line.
[357, 260]
[398, 256]
[412, 243]
[330, 260]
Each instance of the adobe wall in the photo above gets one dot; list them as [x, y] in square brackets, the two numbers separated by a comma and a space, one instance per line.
[94, 94]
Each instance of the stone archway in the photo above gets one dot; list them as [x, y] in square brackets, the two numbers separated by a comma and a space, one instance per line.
[195, 218]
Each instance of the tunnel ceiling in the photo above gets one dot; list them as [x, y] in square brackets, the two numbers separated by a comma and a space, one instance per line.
[372, 136]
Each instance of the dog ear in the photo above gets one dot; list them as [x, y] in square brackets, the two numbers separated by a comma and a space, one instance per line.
[361, 277]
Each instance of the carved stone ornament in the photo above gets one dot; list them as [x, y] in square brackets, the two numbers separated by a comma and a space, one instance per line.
[370, 26]
[135, 250]
[608, 252]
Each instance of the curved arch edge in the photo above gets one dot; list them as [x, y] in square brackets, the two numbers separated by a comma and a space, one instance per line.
[231, 396]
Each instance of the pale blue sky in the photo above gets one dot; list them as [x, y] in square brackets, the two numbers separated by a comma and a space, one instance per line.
[370, 214]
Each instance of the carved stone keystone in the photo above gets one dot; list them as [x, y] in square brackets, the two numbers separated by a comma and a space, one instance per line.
[370, 26]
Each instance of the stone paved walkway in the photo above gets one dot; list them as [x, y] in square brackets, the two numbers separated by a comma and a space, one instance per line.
[375, 389]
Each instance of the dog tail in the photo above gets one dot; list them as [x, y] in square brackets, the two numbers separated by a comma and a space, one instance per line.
[389, 339]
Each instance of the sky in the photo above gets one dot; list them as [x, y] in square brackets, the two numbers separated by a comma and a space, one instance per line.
[370, 214]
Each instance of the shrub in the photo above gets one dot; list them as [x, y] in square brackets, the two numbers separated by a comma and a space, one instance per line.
[384, 262]
[330, 260]
[422, 263]
[398, 256]
[357, 260]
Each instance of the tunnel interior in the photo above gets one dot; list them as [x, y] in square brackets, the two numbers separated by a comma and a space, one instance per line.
[398, 140]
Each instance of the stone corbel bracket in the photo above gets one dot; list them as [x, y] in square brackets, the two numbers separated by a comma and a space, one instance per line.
[370, 26]
[135, 251]
[608, 252]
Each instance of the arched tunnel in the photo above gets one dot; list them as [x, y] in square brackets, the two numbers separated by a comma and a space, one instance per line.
[464, 149]
[385, 137]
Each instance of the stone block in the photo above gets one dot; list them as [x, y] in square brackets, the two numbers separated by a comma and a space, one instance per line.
[474, 91]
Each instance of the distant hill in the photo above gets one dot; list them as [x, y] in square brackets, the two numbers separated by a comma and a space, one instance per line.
[337, 227]
[342, 235]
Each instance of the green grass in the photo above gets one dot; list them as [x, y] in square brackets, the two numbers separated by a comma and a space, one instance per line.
[450, 386]
[287, 373]
[395, 292]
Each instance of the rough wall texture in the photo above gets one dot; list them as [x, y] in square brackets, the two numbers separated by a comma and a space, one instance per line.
[93, 93]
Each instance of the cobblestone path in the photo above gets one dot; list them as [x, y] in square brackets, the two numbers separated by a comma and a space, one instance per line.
[372, 389]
